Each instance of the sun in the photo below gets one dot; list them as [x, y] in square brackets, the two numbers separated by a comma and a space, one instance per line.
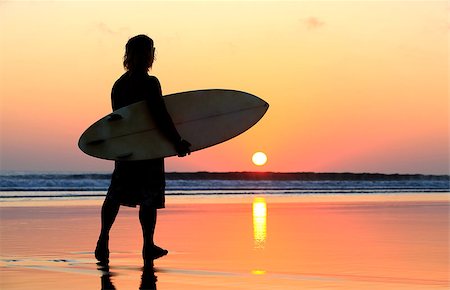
[259, 158]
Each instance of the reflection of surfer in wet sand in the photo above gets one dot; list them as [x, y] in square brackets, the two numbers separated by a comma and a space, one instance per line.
[139, 182]
[148, 280]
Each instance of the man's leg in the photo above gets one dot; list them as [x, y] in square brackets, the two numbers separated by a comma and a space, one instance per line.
[147, 217]
[110, 209]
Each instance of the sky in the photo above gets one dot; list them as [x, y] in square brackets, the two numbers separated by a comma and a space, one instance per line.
[353, 86]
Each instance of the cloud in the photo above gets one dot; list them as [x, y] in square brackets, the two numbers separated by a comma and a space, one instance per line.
[104, 28]
[312, 23]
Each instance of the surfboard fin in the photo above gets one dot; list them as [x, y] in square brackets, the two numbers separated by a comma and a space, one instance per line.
[125, 155]
[114, 117]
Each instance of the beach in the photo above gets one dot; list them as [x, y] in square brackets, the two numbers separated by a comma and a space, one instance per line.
[382, 241]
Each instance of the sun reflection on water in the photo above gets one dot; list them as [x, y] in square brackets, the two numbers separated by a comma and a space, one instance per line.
[259, 222]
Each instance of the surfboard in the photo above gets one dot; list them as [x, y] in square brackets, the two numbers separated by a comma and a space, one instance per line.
[203, 117]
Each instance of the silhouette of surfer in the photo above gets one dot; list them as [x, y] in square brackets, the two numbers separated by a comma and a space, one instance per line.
[139, 182]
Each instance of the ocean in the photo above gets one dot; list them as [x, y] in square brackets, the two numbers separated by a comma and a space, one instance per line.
[256, 230]
[30, 186]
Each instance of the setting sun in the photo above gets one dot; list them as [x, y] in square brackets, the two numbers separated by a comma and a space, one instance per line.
[259, 158]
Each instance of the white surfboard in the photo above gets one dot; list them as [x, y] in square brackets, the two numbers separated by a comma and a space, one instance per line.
[204, 118]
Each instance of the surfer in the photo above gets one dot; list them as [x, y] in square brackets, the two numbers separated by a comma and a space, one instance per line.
[142, 182]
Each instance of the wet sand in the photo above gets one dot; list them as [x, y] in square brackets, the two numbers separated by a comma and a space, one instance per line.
[229, 242]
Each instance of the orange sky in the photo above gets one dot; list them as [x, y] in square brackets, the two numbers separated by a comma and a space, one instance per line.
[359, 86]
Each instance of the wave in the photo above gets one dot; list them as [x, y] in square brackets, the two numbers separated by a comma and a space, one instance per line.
[213, 183]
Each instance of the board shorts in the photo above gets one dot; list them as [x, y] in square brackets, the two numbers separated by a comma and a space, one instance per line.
[138, 183]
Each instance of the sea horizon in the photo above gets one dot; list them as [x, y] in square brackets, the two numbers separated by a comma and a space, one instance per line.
[247, 173]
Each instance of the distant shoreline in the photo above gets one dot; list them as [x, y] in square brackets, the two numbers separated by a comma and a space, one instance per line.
[245, 175]
[306, 176]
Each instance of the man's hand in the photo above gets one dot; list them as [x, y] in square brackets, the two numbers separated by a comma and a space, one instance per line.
[182, 148]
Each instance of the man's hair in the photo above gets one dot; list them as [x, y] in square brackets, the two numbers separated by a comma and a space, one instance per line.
[138, 53]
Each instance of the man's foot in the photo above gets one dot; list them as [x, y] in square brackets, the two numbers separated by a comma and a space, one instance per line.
[102, 252]
[158, 252]
[154, 252]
